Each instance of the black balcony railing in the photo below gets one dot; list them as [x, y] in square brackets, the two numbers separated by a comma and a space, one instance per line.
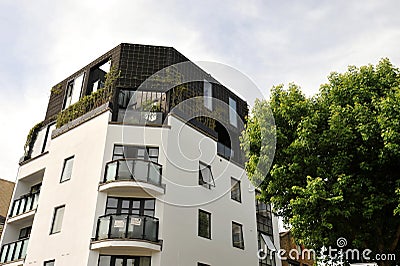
[133, 169]
[124, 226]
[224, 151]
[14, 251]
[24, 204]
[140, 117]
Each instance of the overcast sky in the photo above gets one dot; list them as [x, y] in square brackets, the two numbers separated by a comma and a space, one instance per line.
[272, 42]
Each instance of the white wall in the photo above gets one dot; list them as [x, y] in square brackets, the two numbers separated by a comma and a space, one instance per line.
[181, 148]
[79, 195]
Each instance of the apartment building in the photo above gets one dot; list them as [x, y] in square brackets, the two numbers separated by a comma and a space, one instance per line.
[136, 163]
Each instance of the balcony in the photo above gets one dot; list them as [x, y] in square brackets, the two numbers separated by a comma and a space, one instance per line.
[23, 206]
[132, 175]
[14, 251]
[134, 117]
[130, 232]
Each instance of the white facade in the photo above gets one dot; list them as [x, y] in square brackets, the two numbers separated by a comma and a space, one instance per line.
[110, 192]
[177, 202]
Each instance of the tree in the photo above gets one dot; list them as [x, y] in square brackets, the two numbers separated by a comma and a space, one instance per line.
[336, 169]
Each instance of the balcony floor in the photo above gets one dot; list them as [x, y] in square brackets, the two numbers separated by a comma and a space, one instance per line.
[131, 246]
[127, 187]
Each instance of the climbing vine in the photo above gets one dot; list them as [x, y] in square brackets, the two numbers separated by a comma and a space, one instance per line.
[90, 102]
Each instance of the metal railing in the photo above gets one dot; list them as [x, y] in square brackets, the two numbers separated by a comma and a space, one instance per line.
[14, 251]
[127, 226]
[24, 204]
[133, 169]
[140, 117]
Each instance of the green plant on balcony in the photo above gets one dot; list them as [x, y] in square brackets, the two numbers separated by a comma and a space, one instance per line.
[90, 102]
[30, 139]
[151, 106]
[57, 89]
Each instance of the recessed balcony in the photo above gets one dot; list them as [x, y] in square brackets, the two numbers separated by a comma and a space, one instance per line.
[126, 176]
[14, 251]
[24, 207]
[132, 233]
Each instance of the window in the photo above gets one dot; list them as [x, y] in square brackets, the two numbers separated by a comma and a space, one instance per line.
[97, 76]
[264, 216]
[202, 264]
[208, 95]
[57, 219]
[232, 112]
[67, 169]
[25, 232]
[235, 190]
[49, 263]
[204, 221]
[135, 152]
[237, 235]
[206, 178]
[130, 206]
[73, 91]
[68, 94]
[267, 255]
[106, 260]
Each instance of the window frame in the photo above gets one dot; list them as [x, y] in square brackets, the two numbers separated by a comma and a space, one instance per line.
[237, 183]
[66, 160]
[55, 212]
[201, 180]
[47, 263]
[209, 223]
[241, 234]
[207, 89]
[124, 259]
[24, 232]
[142, 206]
[147, 155]
[233, 112]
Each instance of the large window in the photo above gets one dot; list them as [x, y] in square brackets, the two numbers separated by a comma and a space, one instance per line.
[267, 255]
[206, 178]
[204, 221]
[105, 260]
[130, 206]
[73, 91]
[235, 190]
[208, 95]
[237, 235]
[150, 101]
[49, 263]
[265, 232]
[67, 169]
[232, 112]
[264, 216]
[97, 76]
[135, 152]
[57, 219]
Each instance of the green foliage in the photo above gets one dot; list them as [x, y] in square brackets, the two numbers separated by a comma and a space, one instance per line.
[30, 139]
[336, 167]
[90, 102]
[56, 89]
